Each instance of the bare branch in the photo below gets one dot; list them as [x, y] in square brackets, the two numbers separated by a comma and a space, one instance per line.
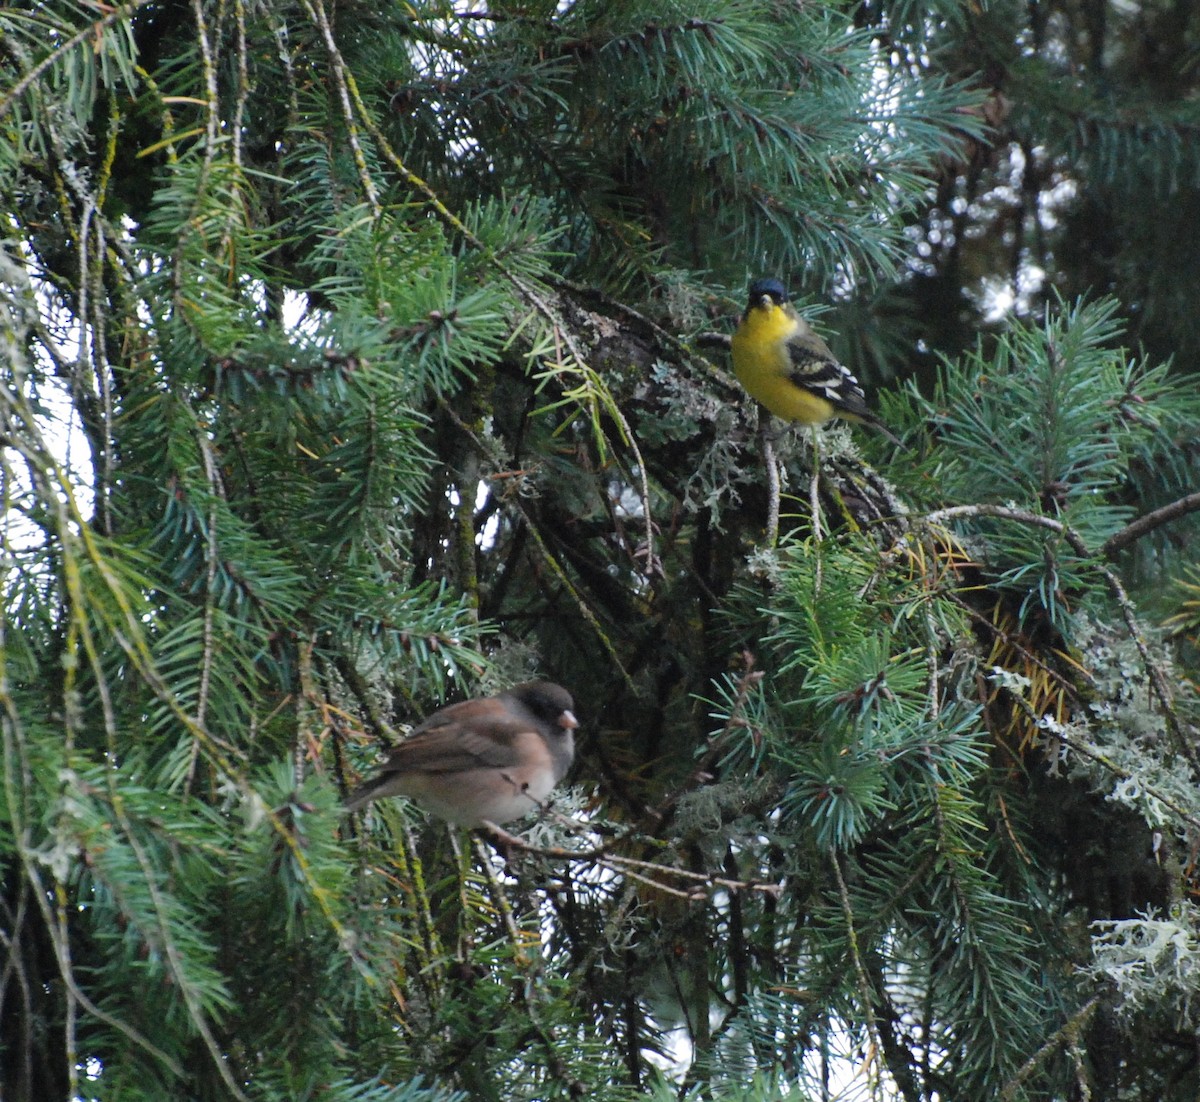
[1147, 523]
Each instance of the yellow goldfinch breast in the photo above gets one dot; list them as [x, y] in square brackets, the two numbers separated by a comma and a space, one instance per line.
[763, 363]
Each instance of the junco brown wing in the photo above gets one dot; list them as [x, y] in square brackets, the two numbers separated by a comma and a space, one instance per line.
[496, 758]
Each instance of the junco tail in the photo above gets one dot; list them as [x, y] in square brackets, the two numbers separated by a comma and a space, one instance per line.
[496, 758]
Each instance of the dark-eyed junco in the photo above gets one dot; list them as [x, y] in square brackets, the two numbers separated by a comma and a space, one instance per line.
[493, 759]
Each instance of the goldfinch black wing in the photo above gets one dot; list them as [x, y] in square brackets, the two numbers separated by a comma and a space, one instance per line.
[816, 369]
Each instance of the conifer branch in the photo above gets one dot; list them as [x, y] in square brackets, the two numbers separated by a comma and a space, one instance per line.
[54, 56]
[1153, 670]
[524, 287]
[61, 946]
[162, 936]
[548, 556]
[347, 92]
[1192, 818]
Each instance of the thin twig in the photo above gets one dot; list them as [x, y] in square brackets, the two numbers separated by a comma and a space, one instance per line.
[212, 134]
[1117, 770]
[604, 856]
[305, 700]
[1157, 678]
[67, 974]
[530, 990]
[243, 93]
[1067, 1034]
[211, 552]
[771, 466]
[864, 986]
[774, 890]
[814, 496]
[1135, 530]
[1003, 512]
[347, 91]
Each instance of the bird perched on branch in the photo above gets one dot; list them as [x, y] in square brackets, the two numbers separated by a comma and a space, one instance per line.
[488, 760]
[788, 368]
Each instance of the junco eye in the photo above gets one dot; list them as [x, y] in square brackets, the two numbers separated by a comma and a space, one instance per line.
[495, 759]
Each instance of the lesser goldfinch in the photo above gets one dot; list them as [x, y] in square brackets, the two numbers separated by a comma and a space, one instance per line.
[788, 368]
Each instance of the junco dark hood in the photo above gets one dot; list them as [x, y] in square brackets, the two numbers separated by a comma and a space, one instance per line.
[496, 758]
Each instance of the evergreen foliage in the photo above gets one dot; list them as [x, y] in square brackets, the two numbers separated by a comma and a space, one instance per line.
[356, 359]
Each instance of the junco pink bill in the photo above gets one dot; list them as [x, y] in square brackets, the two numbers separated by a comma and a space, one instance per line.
[496, 758]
